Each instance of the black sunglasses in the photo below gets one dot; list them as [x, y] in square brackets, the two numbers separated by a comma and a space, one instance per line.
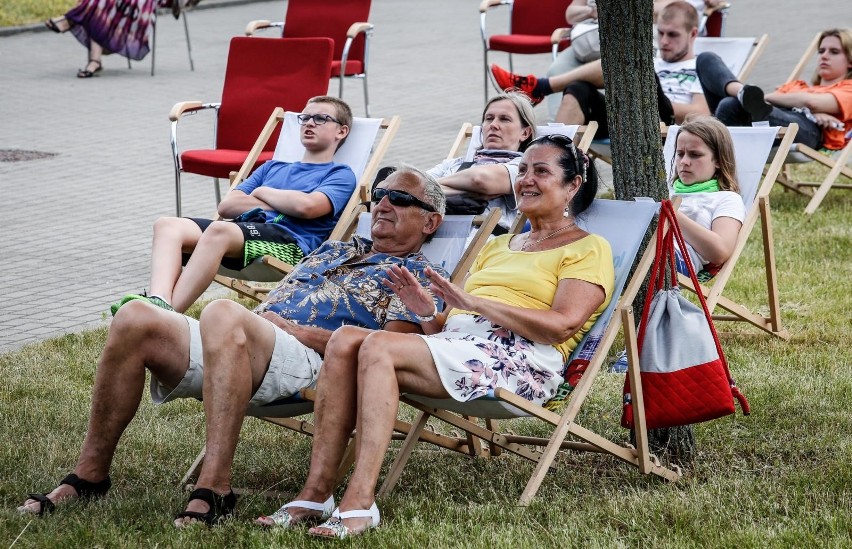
[319, 119]
[581, 161]
[400, 198]
[557, 139]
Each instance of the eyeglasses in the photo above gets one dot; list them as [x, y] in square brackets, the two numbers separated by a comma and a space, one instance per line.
[400, 198]
[319, 119]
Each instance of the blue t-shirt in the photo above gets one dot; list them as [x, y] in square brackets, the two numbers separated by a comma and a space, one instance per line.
[336, 181]
[328, 289]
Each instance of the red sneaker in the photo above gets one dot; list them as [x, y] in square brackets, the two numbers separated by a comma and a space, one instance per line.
[509, 81]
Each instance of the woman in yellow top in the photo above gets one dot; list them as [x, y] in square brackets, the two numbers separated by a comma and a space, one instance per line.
[527, 302]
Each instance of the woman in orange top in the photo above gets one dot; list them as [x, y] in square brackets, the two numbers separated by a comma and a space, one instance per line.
[821, 108]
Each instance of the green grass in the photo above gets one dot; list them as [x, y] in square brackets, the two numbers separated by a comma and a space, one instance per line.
[780, 477]
[25, 12]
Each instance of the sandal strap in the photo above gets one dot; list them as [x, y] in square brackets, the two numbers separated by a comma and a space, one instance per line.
[284, 519]
[372, 512]
[45, 505]
[312, 505]
[87, 489]
[220, 506]
[207, 518]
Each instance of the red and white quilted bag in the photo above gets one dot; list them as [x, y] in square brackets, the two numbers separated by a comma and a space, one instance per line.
[684, 374]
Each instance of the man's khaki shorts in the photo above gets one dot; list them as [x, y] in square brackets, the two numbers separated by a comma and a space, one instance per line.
[293, 367]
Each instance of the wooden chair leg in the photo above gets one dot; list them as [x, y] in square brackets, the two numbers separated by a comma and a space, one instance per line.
[192, 473]
[404, 453]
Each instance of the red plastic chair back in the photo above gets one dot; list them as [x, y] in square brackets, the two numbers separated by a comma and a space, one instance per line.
[264, 73]
[538, 17]
[331, 18]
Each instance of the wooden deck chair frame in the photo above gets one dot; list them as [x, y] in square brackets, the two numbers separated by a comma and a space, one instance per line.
[466, 140]
[275, 268]
[759, 210]
[286, 413]
[799, 153]
[505, 404]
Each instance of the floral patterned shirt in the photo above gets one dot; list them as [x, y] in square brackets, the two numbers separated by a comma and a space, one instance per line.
[331, 288]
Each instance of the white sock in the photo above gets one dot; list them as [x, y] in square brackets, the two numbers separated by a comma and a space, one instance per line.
[740, 95]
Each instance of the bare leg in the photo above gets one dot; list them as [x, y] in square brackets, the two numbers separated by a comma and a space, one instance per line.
[237, 347]
[219, 240]
[388, 363]
[173, 236]
[569, 111]
[141, 336]
[733, 88]
[590, 72]
[96, 52]
[334, 416]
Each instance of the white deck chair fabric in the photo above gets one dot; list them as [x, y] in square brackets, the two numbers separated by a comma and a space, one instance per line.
[752, 146]
[735, 52]
[475, 141]
[623, 224]
[355, 152]
[446, 247]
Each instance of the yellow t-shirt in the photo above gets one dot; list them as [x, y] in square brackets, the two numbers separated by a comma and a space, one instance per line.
[529, 279]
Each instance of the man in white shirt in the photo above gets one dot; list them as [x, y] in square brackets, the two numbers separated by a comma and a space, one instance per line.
[679, 91]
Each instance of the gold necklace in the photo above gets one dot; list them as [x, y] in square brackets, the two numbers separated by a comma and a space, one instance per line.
[554, 233]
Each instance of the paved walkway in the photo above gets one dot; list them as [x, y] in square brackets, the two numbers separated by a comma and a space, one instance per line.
[76, 226]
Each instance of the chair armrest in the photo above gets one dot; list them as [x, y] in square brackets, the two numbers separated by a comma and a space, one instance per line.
[485, 5]
[559, 35]
[259, 24]
[483, 9]
[277, 264]
[357, 28]
[189, 107]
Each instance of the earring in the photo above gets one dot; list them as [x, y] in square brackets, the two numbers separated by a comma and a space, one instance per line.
[567, 212]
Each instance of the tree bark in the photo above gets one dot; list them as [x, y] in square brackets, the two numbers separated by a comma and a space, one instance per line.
[626, 31]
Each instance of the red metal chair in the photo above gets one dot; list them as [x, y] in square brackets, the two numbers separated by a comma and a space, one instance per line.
[261, 74]
[713, 20]
[531, 25]
[344, 21]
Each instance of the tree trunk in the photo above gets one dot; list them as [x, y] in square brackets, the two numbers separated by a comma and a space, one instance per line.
[634, 126]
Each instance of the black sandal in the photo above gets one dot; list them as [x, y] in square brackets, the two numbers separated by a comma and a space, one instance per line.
[86, 73]
[85, 490]
[51, 24]
[221, 507]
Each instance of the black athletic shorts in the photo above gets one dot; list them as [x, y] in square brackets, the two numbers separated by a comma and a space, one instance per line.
[260, 239]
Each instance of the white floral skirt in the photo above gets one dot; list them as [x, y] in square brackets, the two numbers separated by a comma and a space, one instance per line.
[474, 356]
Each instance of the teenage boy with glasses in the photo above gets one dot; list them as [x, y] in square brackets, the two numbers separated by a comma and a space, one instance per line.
[284, 209]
